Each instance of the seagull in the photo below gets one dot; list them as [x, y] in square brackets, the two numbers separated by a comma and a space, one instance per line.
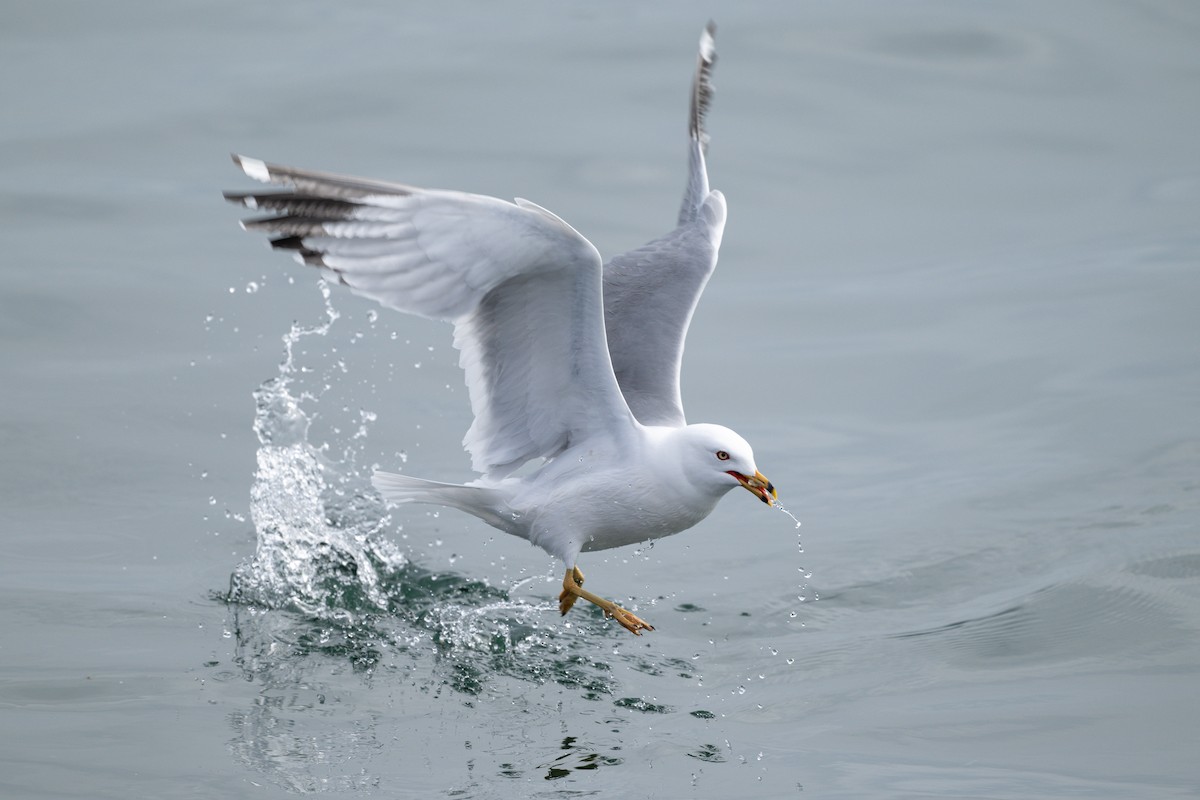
[572, 365]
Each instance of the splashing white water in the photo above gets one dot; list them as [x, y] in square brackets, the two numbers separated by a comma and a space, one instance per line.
[310, 551]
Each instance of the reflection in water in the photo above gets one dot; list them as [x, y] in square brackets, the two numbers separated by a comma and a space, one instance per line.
[577, 756]
[326, 594]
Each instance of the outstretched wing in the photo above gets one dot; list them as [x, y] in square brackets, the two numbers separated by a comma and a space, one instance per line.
[521, 286]
[651, 293]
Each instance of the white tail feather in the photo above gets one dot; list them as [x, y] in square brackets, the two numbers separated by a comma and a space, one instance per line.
[479, 501]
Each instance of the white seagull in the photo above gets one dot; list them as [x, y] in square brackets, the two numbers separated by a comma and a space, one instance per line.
[570, 363]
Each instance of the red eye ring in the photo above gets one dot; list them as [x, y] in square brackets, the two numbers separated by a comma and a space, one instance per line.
[722, 455]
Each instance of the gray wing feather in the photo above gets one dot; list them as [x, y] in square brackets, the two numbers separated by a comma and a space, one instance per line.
[651, 293]
[522, 288]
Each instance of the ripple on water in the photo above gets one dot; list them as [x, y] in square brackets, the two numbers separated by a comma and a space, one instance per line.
[1184, 566]
[963, 45]
[1058, 623]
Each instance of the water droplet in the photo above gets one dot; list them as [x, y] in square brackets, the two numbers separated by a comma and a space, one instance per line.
[251, 287]
[785, 511]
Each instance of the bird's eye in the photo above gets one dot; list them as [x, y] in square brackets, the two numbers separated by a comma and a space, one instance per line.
[722, 455]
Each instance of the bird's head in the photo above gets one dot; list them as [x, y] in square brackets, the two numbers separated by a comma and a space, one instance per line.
[720, 460]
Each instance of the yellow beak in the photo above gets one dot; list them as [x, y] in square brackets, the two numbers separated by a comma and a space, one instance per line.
[758, 485]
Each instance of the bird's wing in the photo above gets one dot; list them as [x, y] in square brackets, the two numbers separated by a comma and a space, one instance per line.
[651, 293]
[521, 286]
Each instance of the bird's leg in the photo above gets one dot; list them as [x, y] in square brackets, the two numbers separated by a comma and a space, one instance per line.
[568, 598]
[573, 589]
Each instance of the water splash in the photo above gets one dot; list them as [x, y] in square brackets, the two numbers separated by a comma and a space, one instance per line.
[326, 581]
[319, 557]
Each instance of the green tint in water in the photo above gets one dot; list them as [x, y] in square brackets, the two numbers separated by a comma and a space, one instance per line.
[643, 705]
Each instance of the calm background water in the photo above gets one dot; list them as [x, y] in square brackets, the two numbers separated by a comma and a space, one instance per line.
[956, 314]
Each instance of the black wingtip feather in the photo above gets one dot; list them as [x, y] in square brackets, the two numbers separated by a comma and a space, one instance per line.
[288, 243]
[296, 245]
[702, 89]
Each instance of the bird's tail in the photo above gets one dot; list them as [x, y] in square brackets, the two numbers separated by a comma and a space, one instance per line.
[480, 501]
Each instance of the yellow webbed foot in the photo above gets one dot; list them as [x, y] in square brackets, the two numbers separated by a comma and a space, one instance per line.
[573, 590]
[628, 620]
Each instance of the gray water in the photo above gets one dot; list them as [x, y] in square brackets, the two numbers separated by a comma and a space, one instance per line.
[956, 314]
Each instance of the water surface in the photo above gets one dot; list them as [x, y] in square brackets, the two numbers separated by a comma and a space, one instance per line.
[955, 314]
